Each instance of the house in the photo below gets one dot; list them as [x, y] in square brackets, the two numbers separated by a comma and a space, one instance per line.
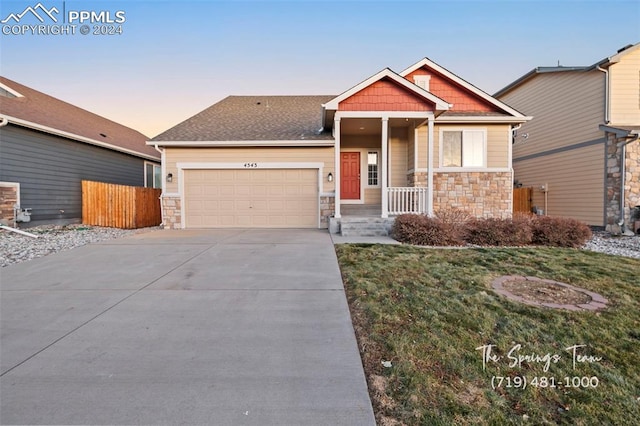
[411, 142]
[48, 146]
[587, 120]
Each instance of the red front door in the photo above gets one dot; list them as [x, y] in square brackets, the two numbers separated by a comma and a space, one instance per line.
[350, 176]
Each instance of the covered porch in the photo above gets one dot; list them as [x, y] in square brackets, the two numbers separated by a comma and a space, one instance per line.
[378, 172]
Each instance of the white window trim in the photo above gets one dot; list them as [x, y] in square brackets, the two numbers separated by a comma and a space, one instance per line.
[463, 130]
[154, 172]
[366, 167]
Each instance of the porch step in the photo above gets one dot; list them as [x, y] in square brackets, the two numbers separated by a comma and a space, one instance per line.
[365, 226]
[361, 210]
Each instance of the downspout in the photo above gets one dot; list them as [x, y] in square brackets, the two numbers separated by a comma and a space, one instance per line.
[162, 166]
[623, 161]
[4, 121]
[606, 93]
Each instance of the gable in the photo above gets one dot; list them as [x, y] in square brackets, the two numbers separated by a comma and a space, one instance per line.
[461, 98]
[385, 95]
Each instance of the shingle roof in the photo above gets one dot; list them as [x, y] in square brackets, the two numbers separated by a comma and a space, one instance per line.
[44, 110]
[254, 118]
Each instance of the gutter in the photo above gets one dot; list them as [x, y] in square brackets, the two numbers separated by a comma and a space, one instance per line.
[4, 121]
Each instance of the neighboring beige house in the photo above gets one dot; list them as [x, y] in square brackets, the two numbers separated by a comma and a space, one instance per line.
[416, 141]
[586, 120]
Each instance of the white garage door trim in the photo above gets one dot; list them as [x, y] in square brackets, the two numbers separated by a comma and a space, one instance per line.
[244, 166]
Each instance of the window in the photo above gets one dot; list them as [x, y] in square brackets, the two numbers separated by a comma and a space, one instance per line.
[152, 175]
[372, 168]
[463, 148]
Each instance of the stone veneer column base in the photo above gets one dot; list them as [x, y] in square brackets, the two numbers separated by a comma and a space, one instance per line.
[614, 181]
[8, 200]
[171, 212]
[327, 209]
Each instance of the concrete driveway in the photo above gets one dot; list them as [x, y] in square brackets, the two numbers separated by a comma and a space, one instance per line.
[226, 327]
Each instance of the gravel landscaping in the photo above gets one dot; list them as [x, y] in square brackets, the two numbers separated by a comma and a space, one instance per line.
[603, 242]
[16, 248]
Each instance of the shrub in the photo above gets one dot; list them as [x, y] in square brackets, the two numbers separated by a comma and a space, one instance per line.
[498, 232]
[454, 217]
[560, 232]
[423, 230]
[454, 227]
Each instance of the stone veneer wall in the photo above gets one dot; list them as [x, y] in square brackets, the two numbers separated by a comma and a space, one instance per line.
[632, 180]
[171, 212]
[481, 194]
[417, 179]
[8, 199]
[327, 209]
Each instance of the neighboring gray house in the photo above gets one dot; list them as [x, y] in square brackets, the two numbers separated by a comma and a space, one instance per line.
[48, 146]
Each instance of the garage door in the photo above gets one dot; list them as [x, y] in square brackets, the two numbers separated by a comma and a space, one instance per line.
[264, 198]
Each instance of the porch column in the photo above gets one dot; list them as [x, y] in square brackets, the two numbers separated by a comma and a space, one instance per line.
[430, 163]
[337, 171]
[384, 166]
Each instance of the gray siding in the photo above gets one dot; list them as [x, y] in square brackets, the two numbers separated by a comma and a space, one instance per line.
[50, 168]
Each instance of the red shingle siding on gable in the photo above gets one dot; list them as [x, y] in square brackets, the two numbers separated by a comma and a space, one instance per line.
[384, 95]
[462, 100]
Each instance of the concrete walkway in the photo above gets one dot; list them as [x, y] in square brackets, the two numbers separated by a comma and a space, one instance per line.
[228, 327]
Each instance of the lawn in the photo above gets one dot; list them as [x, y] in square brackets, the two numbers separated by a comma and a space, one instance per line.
[420, 314]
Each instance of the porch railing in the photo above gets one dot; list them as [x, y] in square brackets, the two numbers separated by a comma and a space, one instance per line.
[407, 200]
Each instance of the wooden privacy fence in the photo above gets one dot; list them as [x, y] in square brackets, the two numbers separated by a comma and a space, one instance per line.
[522, 200]
[120, 206]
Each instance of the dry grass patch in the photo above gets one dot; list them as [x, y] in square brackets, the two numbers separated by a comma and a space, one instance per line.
[427, 310]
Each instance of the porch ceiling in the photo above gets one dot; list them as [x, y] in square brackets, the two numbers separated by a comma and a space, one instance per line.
[369, 126]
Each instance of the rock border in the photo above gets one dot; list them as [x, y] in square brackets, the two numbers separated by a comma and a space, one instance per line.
[597, 301]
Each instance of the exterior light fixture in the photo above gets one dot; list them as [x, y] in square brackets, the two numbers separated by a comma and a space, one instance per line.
[330, 177]
[170, 177]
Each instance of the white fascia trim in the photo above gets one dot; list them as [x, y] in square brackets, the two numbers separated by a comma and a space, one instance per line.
[213, 144]
[10, 90]
[249, 165]
[78, 138]
[384, 114]
[481, 119]
[440, 104]
[429, 63]
[616, 58]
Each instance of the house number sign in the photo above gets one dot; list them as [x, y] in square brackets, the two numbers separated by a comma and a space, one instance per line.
[250, 165]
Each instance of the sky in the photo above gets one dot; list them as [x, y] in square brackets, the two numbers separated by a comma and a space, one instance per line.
[176, 58]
